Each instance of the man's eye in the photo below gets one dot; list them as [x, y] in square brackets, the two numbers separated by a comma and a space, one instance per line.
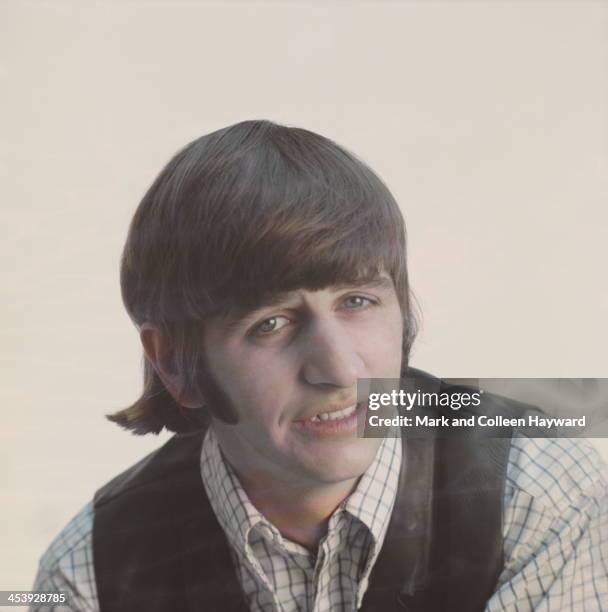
[355, 302]
[271, 325]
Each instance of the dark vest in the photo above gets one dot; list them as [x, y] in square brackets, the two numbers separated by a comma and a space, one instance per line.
[158, 547]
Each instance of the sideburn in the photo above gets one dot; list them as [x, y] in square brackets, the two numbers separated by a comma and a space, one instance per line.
[216, 400]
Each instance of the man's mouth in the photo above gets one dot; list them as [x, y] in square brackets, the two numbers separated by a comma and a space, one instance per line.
[331, 422]
[334, 415]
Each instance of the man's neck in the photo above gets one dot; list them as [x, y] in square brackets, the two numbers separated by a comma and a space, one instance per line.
[301, 514]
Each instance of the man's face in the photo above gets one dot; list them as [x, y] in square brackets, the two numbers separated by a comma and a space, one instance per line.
[284, 364]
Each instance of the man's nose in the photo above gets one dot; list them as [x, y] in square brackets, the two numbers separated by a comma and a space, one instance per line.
[330, 357]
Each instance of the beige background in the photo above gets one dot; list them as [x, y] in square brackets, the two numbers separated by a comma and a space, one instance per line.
[487, 119]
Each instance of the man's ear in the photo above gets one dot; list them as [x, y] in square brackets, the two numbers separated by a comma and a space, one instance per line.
[159, 353]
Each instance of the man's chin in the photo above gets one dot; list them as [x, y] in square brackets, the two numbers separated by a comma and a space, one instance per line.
[350, 462]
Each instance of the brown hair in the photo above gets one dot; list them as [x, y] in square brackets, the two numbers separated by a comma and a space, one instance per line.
[237, 216]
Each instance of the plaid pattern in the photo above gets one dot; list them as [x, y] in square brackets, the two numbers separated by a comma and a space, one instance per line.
[556, 528]
[555, 538]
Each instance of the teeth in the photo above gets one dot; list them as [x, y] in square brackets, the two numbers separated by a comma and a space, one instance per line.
[338, 414]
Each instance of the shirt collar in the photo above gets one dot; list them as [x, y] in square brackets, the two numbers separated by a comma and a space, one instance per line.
[374, 497]
[231, 505]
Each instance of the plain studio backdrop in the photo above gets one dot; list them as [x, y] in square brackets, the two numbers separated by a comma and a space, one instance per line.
[486, 119]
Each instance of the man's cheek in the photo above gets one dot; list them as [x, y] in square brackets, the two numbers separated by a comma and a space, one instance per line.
[262, 401]
[386, 359]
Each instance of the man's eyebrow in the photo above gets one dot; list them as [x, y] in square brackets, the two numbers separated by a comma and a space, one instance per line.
[240, 318]
[376, 282]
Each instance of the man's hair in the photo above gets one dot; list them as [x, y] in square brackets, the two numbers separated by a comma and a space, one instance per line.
[235, 218]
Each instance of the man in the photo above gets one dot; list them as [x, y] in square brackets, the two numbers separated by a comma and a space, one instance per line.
[265, 270]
